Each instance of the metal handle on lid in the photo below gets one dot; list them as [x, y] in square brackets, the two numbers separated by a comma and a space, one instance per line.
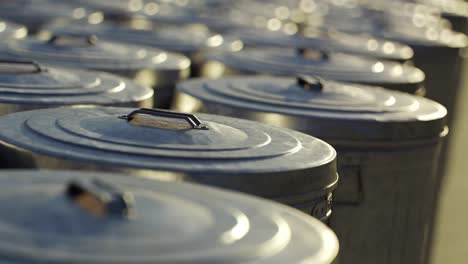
[89, 40]
[309, 83]
[317, 55]
[20, 66]
[190, 119]
[101, 199]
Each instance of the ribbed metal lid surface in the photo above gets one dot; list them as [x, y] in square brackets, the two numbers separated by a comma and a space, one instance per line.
[184, 39]
[89, 52]
[52, 217]
[229, 151]
[31, 83]
[33, 13]
[328, 41]
[332, 111]
[329, 65]
[10, 30]
[412, 29]
[215, 15]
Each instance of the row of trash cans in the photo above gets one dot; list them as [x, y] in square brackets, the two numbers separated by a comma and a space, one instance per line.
[334, 108]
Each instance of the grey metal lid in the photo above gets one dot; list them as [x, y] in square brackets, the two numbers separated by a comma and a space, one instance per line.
[86, 51]
[10, 30]
[216, 16]
[23, 82]
[34, 13]
[329, 65]
[455, 8]
[184, 39]
[429, 37]
[412, 29]
[71, 217]
[329, 110]
[328, 41]
[115, 6]
[218, 150]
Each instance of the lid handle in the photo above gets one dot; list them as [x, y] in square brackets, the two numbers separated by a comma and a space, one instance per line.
[101, 199]
[168, 119]
[309, 83]
[317, 55]
[20, 66]
[69, 39]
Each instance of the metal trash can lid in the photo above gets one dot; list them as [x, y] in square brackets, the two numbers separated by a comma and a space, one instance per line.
[35, 13]
[115, 6]
[28, 82]
[215, 149]
[331, 110]
[399, 28]
[451, 8]
[87, 51]
[329, 65]
[328, 41]
[10, 30]
[183, 39]
[429, 37]
[216, 16]
[72, 217]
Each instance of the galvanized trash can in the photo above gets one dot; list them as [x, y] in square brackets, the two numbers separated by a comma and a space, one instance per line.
[267, 161]
[10, 30]
[151, 67]
[71, 217]
[437, 53]
[436, 47]
[455, 11]
[29, 85]
[191, 40]
[330, 65]
[388, 147]
[327, 40]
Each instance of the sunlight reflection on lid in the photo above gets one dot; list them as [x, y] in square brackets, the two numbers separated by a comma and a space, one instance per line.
[95, 18]
[215, 41]
[141, 53]
[391, 101]
[397, 70]
[378, 67]
[274, 24]
[135, 5]
[241, 228]
[388, 47]
[432, 34]
[79, 13]
[151, 8]
[290, 28]
[160, 58]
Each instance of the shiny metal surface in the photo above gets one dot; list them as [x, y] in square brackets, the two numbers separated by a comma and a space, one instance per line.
[194, 41]
[28, 85]
[213, 226]
[149, 66]
[266, 161]
[388, 172]
[328, 65]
